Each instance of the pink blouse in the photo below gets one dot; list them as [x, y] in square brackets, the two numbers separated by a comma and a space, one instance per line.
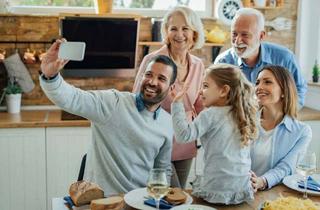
[192, 101]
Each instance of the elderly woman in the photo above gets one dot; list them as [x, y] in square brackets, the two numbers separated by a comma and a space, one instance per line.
[281, 135]
[182, 31]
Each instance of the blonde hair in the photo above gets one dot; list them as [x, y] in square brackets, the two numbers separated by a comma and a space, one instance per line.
[240, 98]
[193, 21]
[288, 89]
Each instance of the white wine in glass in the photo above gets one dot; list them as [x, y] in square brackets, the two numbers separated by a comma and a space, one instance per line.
[306, 166]
[157, 185]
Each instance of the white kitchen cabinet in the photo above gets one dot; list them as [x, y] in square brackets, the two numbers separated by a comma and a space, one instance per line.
[315, 142]
[65, 148]
[312, 96]
[22, 169]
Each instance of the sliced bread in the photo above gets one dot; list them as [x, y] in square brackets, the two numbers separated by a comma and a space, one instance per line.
[82, 192]
[110, 203]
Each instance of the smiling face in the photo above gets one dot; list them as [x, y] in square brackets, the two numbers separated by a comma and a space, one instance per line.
[268, 90]
[179, 35]
[246, 37]
[155, 83]
[212, 94]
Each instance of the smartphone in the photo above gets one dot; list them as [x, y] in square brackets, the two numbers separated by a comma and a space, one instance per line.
[73, 51]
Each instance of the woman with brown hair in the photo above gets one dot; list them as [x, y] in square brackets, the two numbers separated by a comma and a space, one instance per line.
[281, 135]
[182, 31]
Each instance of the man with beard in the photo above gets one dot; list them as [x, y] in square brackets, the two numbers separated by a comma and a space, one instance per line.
[131, 133]
[251, 54]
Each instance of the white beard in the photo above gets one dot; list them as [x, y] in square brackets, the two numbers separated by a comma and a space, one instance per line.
[249, 51]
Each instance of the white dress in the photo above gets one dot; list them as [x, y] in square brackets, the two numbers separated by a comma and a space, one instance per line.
[226, 177]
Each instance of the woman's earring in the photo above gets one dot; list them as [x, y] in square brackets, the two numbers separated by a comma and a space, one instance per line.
[282, 96]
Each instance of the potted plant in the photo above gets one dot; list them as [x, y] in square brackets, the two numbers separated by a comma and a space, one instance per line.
[13, 96]
[315, 72]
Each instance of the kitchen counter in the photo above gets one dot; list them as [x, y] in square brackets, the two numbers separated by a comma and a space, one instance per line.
[308, 114]
[52, 118]
[42, 118]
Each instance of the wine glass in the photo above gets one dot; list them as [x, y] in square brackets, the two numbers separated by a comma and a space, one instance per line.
[157, 185]
[306, 165]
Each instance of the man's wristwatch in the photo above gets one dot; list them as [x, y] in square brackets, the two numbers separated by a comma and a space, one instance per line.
[47, 78]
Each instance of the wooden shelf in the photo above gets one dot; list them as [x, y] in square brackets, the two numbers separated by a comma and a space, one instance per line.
[266, 8]
[316, 84]
[150, 43]
[27, 42]
[207, 44]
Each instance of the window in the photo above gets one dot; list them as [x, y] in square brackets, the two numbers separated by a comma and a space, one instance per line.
[152, 8]
[53, 7]
[158, 7]
[64, 3]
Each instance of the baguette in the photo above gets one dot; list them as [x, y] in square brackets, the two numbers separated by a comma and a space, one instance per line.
[82, 192]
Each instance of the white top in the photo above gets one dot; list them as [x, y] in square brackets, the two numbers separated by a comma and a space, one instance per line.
[226, 177]
[263, 147]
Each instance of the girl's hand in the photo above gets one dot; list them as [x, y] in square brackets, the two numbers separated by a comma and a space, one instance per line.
[178, 96]
[256, 182]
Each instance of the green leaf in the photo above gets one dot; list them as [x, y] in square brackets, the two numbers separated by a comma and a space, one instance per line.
[12, 88]
[315, 69]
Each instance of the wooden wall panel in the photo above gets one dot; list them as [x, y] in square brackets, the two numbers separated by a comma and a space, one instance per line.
[37, 29]
[23, 32]
[8, 28]
[145, 29]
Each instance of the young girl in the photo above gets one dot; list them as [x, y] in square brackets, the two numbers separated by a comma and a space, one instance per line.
[225, 129]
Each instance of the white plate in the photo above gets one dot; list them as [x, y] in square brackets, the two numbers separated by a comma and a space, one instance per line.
[192, 207]
[292, 182]
[135, 199]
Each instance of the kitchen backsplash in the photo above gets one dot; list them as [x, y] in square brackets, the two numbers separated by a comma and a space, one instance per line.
[20, 33]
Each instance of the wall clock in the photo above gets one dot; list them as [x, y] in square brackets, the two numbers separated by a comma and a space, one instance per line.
[226, 10]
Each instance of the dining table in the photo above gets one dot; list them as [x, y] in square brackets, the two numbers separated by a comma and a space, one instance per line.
[259, 198]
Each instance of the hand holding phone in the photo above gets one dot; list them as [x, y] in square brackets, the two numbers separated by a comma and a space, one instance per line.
[73, 51]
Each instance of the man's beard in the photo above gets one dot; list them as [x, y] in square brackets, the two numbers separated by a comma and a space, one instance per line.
[154, 100]
[249, 50]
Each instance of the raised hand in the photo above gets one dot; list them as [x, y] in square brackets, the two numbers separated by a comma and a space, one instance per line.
[178, 96]
[51, 64]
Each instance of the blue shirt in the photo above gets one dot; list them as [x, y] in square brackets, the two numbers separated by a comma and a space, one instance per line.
[141, 106]
[289, 138]
[270, 54]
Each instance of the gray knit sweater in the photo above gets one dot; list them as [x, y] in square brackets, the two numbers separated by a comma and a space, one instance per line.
[125, 144]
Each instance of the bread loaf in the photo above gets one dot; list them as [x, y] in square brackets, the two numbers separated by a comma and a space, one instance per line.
[110, 203]
[82, 192]
[176, 196]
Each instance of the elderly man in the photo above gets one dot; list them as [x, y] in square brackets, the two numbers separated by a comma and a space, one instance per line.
[131, 133]
[251, 54]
